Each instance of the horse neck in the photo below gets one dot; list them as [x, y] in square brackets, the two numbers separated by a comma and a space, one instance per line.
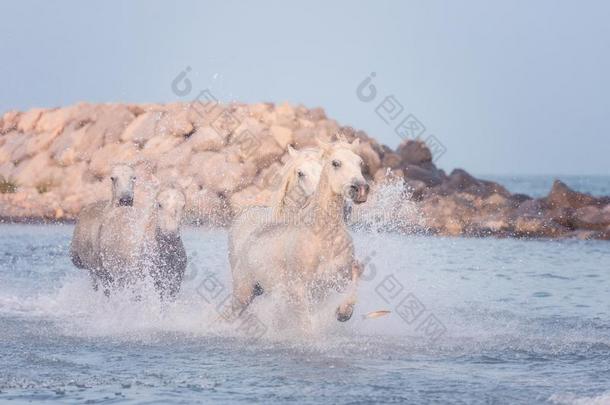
[327, 206]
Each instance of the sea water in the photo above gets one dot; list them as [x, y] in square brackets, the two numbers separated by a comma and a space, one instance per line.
[473, 321]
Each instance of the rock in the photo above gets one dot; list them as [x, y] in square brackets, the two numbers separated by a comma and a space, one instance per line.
[6, 170]
[72, 179]
[563, 216]
[517, 199]
[179, 156]
[414, 152]
[69, 147]
[489, 187]
[285, 115]
[447, 215]
[110, 155]
[267, 177]
[538, 227]
[219, 173]
[206, 139]
[416, 189]
[142, 128]
[175, 123]
[531, 208]
[460, 180]
[159, 145]
[227, 157]
[204, 206]
[248, 197]
[305, 137]
[372, 162]
[392, 160]
[282, 135]
[109, 122]
[258, 110]
[429, 177]
[563, 196]
[9, 122]
[56, 120]
[495, 201]
[226, 123]
[260, 150]
[27, 120]
[35, 171]
[33, 144]
[591, 218]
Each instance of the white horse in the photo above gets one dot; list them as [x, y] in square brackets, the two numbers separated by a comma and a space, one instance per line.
[84, 248]
[138, 241]
[169, 256]
[309, 257]
[297, 181]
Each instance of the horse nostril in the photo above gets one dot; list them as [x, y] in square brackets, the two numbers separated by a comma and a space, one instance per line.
[354, 188]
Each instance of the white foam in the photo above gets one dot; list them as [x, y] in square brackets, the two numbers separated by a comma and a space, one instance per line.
[571, 399]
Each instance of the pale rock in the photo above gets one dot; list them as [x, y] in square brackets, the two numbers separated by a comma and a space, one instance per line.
[107, 122]
[109, 155]
[142, 128]
[591, 218]
[9, 121]
[249, 197]
[27, 120]
[205, 139]
[495, 200]
[282, 135]
[35, 171]
[216, 172]
[180, 156]
[6, 170]
[305, 137]
[175, 123]
[160, 144]
[205, 206]
[258, 110]
[285, 115]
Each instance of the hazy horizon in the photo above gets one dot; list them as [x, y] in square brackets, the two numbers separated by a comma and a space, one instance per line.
[508, 88]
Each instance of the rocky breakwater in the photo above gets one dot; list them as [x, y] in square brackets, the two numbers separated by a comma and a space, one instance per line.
[226, 157]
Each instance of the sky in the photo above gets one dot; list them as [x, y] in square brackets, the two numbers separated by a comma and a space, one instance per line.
[503, 87]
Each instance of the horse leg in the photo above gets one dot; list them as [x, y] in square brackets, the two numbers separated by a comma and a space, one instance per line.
[346, 308]
[243, 294]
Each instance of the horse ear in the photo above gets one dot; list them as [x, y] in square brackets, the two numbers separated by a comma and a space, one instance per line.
[292, 152]
[355, 143]
[324, 146]
[341, 137]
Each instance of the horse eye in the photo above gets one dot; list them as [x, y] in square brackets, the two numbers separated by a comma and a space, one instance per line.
[112, 178]
[336, 164]
[159, 205]
[133, 178]
[300, 174]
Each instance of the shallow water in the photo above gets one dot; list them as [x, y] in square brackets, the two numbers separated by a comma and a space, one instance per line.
[473, 321]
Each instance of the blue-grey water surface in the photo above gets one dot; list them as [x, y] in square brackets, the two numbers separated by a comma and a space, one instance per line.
[481, 321]
[540, 185]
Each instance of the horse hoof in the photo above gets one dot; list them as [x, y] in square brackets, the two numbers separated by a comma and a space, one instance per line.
[258, 290]
[346, 315]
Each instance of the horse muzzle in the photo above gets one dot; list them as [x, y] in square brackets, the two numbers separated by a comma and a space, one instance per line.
[126, 201]
[359, 192]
